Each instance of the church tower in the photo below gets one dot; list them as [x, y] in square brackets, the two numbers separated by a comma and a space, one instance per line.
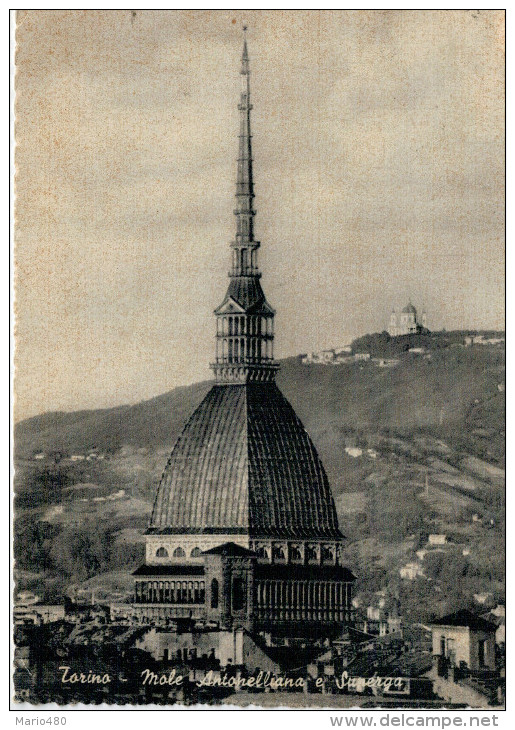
[244, 527]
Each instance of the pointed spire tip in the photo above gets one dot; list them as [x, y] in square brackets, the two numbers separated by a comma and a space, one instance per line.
[245, 55]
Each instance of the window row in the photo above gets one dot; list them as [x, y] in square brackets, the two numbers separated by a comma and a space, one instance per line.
[312, 554]
[244, 325]
[170, 592]
[178, 553]
[241, 350]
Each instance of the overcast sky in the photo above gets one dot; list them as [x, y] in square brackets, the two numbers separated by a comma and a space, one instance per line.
[379, 170]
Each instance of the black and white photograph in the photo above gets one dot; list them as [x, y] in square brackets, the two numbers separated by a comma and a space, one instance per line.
[259, 364]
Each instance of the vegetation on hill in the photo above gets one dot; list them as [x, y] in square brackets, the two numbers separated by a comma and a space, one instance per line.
[382, 344]
[428, 444]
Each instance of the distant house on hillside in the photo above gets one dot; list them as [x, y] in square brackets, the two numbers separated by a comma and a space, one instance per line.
[379, 622]
[482, 340]
[410, 571]
[437, 539]
[328, 357]
[407, 322]
[339, 356]
[483, 598]
[26, 598]
[353, 451]
[383, 362]
[37, 614]
[322, 357]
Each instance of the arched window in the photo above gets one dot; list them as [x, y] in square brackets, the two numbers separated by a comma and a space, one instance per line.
[295, 553]
[327, 553]
[196, 552]
[278, 552]
[214, 593]
[238, 594]
[161, 553]
[262, 552]
[311, 553]
[179, 553]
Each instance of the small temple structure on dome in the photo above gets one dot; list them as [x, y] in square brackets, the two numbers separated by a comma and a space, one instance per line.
[244, 530]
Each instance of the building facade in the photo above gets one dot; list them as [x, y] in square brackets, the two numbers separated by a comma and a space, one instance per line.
[244, 528]
[462, 638]
[407, 322]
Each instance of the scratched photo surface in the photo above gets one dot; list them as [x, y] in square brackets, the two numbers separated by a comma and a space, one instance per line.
[260, 358]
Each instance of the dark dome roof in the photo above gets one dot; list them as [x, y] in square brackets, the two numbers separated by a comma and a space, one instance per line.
[247, 293]
[245, 464]
[409, 309]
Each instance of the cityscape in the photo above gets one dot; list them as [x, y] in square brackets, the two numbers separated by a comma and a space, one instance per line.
[321, 530]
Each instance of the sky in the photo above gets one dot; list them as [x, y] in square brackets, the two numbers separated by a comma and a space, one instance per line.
[378, 139]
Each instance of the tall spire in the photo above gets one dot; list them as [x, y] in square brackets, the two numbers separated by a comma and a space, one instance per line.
[244, 255]
[244, 335]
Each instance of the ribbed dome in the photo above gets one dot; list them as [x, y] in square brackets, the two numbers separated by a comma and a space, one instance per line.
[244, 463]
[246, 291]
[409, 309]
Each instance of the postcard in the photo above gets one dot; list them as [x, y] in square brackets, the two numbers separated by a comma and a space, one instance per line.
[259, 409]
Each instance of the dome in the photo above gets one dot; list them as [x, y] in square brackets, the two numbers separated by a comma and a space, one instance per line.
[244, 464]
[409, 309]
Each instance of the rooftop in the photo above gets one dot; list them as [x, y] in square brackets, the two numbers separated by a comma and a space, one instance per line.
[465, 618]
[230, 549]
[173, 569]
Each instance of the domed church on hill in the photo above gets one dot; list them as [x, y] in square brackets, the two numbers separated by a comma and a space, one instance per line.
[407, 322]
[244, 530]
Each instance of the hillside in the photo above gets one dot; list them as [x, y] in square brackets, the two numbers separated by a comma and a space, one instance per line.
[425, 451]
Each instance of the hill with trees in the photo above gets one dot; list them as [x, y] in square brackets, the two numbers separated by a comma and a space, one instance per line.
[411, 450]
